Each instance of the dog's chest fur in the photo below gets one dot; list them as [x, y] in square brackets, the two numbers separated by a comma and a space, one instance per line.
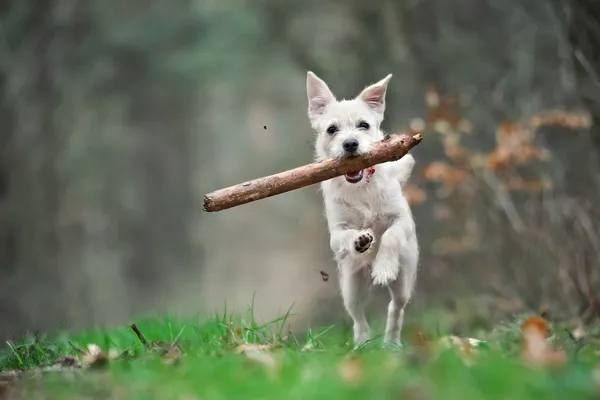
[370, 205]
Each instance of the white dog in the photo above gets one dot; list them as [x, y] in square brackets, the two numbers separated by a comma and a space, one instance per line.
[371, 228]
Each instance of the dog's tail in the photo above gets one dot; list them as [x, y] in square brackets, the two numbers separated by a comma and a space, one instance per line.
[403, 168]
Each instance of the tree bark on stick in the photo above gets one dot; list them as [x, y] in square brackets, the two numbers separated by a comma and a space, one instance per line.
[391, 148]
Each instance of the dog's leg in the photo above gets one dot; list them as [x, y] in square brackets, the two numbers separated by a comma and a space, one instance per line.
[355, 288]
[401, 291]
[400, 294]
[386, 264]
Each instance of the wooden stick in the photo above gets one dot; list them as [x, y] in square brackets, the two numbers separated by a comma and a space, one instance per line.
[391, 148]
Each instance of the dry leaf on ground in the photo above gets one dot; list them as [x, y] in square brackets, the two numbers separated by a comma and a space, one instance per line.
[94, 356]
[351, 370]
[67, 361]
[536, 348]
[258, 353]
[467, 346]
[172, 356]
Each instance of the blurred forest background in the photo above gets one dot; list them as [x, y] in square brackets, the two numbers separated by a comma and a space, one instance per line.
[117, 116]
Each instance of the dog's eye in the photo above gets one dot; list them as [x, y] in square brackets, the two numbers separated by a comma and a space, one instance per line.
[364, 125]
[332, 129]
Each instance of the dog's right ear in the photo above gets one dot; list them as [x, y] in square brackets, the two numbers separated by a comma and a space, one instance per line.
[319, 95]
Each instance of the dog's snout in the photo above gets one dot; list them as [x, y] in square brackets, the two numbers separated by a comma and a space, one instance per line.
[350, 145]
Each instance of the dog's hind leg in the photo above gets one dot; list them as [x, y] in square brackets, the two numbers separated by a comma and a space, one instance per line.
[395, 316]
[355, 288]
[400, 293]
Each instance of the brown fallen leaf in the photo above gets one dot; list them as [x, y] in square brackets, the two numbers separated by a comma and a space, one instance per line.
[94, 356]
[536, 348]
[415, 391]
[457, 340]
[422, 348]
[351, 370]
[67, 361]
[231, 335]
[172, 356]
[253, 346]
[422, 342]
[258, 353]
[422, 339]
[467, 346]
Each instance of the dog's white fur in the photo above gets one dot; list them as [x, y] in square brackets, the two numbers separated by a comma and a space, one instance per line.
[373, 208]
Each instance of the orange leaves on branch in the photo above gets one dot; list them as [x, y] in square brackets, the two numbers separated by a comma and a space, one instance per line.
[511, 134]
[515, 150]
[521, 185]
[514, 147]
[571, 120]
[414, 195]
[503, 158]
[536, 347]
[442, 172]
[441, 212]
[444, 114]
[449, 245]
[453, 148]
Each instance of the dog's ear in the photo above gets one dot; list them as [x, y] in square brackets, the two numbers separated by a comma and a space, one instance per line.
[319, 95]
[374, 95]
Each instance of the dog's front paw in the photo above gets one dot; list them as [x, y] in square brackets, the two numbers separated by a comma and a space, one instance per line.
[363, 242]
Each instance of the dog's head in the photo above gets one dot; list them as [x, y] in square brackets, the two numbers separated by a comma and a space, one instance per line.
[345, 127]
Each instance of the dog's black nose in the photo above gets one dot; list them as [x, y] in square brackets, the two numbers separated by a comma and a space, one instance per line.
[350, 145]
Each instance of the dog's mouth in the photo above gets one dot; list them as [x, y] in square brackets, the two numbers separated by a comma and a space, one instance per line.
[354, 177]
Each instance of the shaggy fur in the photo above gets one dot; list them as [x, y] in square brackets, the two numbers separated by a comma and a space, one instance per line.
[371, 228]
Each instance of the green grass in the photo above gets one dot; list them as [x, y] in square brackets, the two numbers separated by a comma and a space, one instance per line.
[307, 366]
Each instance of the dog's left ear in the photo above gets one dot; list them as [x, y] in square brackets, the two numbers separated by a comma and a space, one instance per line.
[374, 95]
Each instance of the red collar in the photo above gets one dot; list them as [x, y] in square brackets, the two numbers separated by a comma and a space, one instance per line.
[370, 173]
